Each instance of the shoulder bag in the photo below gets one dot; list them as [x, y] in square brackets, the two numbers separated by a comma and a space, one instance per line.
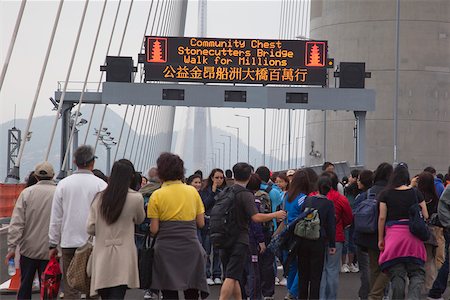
[77, 276]
[417, 225]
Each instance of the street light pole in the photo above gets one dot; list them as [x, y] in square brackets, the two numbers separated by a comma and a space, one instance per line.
[237, 142]
[105, 138]
[248, 136]
[218, 162]
[223, 153]
[229, 153]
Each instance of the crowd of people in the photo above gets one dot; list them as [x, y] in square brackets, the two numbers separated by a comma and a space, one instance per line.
[235, 228]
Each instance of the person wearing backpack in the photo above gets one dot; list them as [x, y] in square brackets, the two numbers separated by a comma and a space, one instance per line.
[403, 254]
[364, 182]
[293, 200]
[251, 283]
[270, 196]
[140, 230]
[236, 207]
[311, 252]
[214, 184]
[377, 279]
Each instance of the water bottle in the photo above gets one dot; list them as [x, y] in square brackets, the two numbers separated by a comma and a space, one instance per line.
[11, 267]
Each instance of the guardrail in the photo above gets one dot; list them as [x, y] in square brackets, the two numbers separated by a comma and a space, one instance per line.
[3, 251]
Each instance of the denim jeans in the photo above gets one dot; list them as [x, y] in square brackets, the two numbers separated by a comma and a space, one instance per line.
[440, 284]
[292, 279]
[28, 268]
[398, 274]
[363, 262]
[205, 240]
[330, 275]
[267, 273]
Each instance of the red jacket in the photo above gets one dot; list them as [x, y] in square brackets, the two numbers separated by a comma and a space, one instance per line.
[343, 211]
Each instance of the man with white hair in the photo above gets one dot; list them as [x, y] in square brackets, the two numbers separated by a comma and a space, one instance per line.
[70, 209]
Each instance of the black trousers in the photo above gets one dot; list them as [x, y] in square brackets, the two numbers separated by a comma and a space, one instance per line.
[28, 268]
[115, 292]
[191, 294]
[311, 256]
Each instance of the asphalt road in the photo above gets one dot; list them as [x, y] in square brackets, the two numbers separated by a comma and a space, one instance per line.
[348, 289]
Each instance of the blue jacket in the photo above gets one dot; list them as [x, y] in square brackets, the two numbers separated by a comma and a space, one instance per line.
[276, 197]
[439, 186]
[275, 194]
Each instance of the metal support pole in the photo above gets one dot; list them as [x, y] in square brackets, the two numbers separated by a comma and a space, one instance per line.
[65, 133]
[361, 137]
[397, 64]
[264, 142]
[289, 139]
[108, 160]
[74, 144]
[324, 136]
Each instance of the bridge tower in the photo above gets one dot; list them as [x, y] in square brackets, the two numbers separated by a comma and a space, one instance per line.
[365, 31]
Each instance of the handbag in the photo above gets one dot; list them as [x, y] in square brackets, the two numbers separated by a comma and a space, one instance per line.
[77, 276]
[51, 280]
[145, 256]
[417, 225]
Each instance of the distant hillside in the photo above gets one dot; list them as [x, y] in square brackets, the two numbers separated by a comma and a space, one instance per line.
[35, 149]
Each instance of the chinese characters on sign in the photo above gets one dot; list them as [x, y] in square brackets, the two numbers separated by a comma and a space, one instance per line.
[235, 60]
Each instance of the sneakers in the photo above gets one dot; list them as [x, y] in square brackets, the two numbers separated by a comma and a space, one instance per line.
[217, 281]
[150, 295]
[283, 282]
[277, 281]
[354, 268]
[268, 298]
[289, 297]
[345, 269]
[209, 281]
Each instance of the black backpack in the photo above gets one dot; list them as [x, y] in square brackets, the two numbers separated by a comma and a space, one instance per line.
[265, 207]
[224, 229]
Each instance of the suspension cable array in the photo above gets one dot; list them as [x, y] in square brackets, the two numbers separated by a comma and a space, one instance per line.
[288, 128]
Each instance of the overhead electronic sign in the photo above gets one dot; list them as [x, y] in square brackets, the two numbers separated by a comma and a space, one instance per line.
[174, 59]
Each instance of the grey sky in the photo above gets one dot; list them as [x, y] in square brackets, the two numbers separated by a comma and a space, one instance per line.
[244, 19]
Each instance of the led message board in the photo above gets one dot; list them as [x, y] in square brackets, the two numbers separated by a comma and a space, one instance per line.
[235, 60]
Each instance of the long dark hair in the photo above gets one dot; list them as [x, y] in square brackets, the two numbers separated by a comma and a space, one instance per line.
[115, 194]
[313, 178]
[399, 177]
[383, 172]
[426, 187]
[324, 184]
[299, 184]
[210, 179]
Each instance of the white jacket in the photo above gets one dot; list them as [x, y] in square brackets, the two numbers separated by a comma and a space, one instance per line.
[70, 208]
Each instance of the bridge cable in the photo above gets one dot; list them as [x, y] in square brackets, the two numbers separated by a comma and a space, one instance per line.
[100, 82]
[154, 131]
[140, 133]
[145, 136]
[135, 131]
[38, 89]
[123, 123]
[141, 78]
[147, 141]
[12, 43]
[74, 125]
[63, 95]
[128, 106]
[150, 126]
